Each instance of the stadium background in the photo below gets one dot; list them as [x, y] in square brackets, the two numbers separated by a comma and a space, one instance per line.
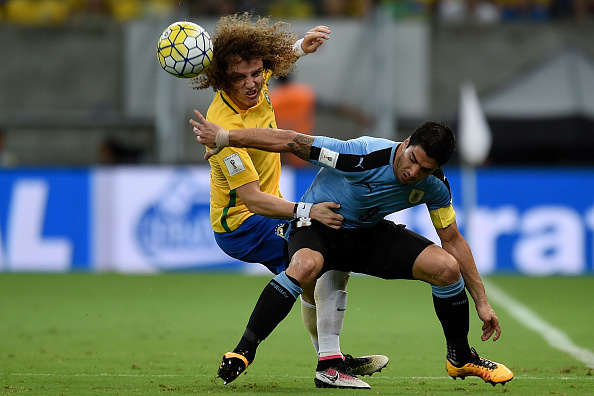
[106, 175]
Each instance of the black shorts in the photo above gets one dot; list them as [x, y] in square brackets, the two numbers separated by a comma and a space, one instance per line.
[387, 250]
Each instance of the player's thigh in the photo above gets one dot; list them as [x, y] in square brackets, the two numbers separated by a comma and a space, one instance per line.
[307, 250]
[389, 251]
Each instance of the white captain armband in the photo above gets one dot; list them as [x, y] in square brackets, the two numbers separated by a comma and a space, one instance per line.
[298, 49]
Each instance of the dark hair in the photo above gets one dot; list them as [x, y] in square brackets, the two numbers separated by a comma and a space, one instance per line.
[436, 138]
[247, 37]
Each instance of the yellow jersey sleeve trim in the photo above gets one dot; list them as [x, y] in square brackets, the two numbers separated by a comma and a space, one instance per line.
[443, 217]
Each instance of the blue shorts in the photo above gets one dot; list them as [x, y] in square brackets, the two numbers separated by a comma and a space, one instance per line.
[257, 240]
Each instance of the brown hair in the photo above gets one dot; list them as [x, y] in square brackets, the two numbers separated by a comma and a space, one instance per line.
[246, 37]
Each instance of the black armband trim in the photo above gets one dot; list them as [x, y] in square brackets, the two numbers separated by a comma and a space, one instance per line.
[314, 153]
[358, 162]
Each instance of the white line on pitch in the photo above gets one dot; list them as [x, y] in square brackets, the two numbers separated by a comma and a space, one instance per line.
[95, 375]
[555, 337]
[293, 376]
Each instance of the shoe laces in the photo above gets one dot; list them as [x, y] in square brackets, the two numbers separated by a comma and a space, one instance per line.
[347, 370]
[348, 359]
[479, 361]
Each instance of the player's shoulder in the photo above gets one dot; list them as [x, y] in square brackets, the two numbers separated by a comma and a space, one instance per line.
[439, 180]
[439, 174]
[362, 144]
[376, 143]
[222, 112]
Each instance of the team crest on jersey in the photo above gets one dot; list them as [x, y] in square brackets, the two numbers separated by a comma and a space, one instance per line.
[328, 157]
[416, 196]
[234, 164]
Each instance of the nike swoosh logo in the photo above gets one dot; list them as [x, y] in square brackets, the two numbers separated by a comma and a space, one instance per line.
[331, 378]
[341, 309]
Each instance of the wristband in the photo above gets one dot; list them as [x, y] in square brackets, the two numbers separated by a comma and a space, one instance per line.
[222, 138]
[298, 49]
[302, 210]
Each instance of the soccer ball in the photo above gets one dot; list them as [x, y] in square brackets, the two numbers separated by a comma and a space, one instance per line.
[184, 49]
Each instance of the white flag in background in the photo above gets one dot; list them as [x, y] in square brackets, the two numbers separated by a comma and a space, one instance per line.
[474, 142]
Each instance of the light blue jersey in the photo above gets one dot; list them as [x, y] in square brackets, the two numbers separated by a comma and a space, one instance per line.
[359, 175]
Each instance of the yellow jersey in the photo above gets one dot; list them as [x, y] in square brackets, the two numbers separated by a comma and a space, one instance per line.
[233, 167]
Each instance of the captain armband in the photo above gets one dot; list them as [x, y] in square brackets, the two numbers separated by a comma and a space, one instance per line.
[443, 217]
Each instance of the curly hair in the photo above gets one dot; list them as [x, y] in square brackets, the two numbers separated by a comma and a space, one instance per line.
[237, 37]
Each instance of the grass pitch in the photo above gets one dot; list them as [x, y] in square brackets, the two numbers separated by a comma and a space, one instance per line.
[84, 334]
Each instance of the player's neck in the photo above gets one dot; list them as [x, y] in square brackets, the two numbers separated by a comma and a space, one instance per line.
[397, 154]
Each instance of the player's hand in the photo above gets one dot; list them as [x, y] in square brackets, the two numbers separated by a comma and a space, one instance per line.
[206, 133]
[314, 38]
[324, 213]
[490, 323]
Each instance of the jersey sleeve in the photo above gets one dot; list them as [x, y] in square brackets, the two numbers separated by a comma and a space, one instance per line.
[236, 165]
[347, 156]
[440, 206]
[443, 217]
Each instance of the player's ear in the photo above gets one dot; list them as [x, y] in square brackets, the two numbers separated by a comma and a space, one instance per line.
[407, 142]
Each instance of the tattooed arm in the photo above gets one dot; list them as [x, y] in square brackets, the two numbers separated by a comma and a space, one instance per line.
[274, 140]
[266, 139]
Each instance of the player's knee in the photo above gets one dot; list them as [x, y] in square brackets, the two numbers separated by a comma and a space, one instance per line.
[305, 266]
[449, 270]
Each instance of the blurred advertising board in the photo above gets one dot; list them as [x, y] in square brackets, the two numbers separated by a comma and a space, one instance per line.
[151, 219]
[533, 221]
[45, 220]
[147, 219]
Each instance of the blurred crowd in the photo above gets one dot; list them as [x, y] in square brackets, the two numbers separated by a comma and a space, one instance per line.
[48, 12]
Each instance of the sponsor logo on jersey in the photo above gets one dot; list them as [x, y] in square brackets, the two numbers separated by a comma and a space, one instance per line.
[359, 165]
[234, 164]
[328, 157]
[416, 196]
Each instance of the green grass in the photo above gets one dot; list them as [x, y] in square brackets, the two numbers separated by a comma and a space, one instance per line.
[82, 334]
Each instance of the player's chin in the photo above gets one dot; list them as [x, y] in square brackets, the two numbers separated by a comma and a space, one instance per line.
[250, 101]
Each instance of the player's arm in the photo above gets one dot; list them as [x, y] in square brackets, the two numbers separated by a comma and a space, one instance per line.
[266, 139]
[455, 244]
[255, 200]
[268, 205]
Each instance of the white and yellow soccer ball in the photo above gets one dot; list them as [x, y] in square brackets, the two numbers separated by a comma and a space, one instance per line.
[184, 49]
